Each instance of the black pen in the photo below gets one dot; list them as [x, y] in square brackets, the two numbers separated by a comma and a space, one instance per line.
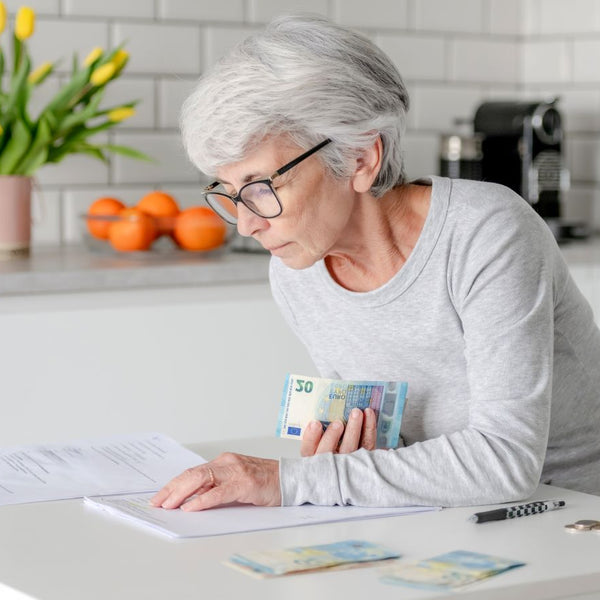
[521, 510]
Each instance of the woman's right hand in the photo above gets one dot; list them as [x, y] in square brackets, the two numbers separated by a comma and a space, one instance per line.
[360, 432]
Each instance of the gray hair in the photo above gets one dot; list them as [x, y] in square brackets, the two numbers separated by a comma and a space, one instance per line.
[307, 78]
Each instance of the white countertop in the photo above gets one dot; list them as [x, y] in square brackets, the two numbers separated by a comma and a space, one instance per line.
[78, 269]
[582, 252]
[65, 551]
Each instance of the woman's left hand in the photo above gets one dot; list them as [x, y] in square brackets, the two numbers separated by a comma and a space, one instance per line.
[360, 432]
[228, 478]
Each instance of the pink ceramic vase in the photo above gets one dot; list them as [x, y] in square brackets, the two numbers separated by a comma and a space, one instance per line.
[15, 216]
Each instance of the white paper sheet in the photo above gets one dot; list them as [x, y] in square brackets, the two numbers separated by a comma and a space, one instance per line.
[236, 518]
[114, 465]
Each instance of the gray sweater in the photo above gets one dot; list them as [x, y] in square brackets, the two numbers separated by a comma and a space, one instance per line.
[497, 344]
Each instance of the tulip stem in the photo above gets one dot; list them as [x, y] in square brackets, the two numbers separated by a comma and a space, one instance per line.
[82, 92]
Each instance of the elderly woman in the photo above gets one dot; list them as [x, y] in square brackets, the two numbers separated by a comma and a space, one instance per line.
[457, 287]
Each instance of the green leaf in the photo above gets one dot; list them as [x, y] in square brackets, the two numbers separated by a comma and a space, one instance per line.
[1, 70]
[74, 65]
[56, 155]
[113, 52]
[127, 151]
[19, 94]
[44, 77]
[80, 117]
[34, 162]
[105, 111]
[51, 118]
[81, 133]
[94, 152]
[17, 50]
[16, 148]
[60, 103]
[38, 151]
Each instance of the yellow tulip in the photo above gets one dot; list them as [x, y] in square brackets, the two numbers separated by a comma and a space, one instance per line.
[120, 58]
[24, 23]
[39, 73]
[120, 114]
[2, 17]
[93, 56]
[103, 74]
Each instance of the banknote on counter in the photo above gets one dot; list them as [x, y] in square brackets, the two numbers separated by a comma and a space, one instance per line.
[305, 559]
[448, 571]
[306, 399]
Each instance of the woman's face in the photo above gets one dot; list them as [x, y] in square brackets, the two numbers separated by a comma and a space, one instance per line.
[316, 206]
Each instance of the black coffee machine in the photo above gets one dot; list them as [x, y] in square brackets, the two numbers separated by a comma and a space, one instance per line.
[522, 148]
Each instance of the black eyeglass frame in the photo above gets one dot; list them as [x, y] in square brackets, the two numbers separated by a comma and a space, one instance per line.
[268, 181]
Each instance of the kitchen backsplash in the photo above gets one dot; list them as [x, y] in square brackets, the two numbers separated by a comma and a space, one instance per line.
[453, 54]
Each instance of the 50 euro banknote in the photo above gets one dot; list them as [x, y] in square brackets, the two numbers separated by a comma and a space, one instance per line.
[306, 399]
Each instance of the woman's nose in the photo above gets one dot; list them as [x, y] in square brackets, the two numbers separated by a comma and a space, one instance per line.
[248, 223]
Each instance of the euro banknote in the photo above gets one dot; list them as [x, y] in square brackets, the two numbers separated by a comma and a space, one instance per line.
[448, 571]
[306, 399]
[344, 554]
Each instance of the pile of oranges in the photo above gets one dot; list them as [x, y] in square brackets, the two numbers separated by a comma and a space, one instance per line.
[135, 228]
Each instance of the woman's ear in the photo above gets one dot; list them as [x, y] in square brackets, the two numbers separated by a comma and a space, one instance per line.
[367, 168]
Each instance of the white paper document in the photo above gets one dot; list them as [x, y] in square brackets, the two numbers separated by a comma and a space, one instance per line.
[235, 518]
[115, 465]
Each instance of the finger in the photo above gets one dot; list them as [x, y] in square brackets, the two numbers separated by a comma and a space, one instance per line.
[331, 438]
[161, 495]
[165, 491]
[368, 439]
[351, 440]
[215, 496]
[185, 485]
[311, 438]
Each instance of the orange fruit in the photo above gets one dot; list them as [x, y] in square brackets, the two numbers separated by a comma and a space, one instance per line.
[163, 207]
[103, 207]
[135, 230]
[199, 228]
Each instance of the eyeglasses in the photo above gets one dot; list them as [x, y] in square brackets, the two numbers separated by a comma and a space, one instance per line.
[258, 196]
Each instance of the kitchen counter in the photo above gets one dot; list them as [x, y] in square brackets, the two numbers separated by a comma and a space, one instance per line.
[582, 253]
[77, 269]
[95, 343]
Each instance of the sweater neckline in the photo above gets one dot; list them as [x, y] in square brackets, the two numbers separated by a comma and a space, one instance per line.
[416, 261]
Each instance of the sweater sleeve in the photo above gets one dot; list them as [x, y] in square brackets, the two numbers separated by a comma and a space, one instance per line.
[500, 281]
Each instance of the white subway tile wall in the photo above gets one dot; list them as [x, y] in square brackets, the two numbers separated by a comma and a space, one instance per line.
[485, 60]
[56, 39]
[386, 14]
[432, 114]
[546, 60]
[42, 7]
[417, 57]
[109, 8]
[506, 16]
[218, 39]
[127, 89]
[455, 16]
[574, 16]
[453, 54]
[171, 93]
[200, 10]
[261, 11]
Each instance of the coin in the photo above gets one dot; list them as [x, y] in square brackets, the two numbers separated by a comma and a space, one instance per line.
[586, 524]
[572, 529]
